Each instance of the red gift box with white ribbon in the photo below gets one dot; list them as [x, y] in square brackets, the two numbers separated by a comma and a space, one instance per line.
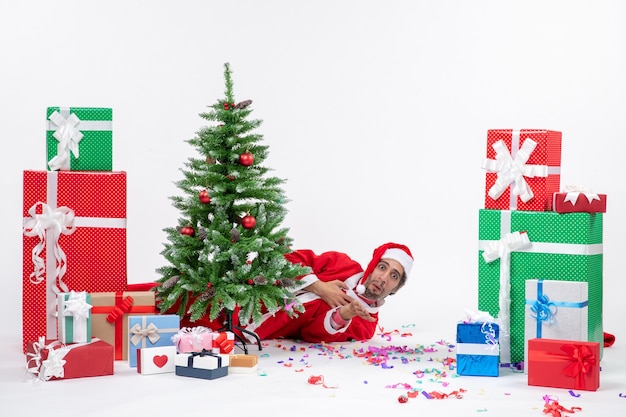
[74, 239]
[523, 169]
[576, 199]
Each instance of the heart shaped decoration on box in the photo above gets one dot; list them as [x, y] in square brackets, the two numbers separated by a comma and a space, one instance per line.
[160, 360]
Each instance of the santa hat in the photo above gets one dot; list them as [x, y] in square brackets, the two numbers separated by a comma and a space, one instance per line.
[394, 251]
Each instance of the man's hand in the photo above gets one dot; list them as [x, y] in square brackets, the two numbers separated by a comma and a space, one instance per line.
[355, 308]
[331, 292]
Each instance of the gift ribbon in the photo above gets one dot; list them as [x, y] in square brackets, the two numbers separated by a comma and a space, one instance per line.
[511, 168]
[573, 192]
[505, 270]
[543, 309]
[502, 249]
[151, 332]
[67, 134]
[579, 359]
[202, 353]
[77, 307]
[225, 343]
[115, 314]
[48, 226]
[67, 131]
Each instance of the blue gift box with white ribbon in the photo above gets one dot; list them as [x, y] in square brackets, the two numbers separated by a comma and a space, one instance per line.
[556, 310]
[478, 349]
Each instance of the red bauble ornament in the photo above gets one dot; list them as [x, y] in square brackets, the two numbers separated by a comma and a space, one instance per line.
[246, 159]
[209, 285]
[187, 230]
[250, 281]
[248, 222]
[204, 197]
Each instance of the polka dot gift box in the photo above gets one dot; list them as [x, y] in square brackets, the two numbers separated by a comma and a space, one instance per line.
[516, 246]
[79, 138]
[74, 239]
[523, 169]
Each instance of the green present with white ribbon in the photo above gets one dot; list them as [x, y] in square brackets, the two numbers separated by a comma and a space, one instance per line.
[516, 246]
[74, 317]
[79, 138]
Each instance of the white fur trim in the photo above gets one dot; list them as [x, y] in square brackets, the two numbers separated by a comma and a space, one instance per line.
[401, 256]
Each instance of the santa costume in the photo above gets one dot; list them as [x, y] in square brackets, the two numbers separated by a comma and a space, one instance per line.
[315, 324]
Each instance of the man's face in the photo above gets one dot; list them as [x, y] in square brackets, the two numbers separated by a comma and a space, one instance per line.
[383, 280]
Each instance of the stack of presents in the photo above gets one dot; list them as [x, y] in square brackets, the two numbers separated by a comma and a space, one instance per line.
[539, 269]
[79, 313]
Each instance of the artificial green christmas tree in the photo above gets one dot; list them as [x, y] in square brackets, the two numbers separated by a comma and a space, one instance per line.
[227, 252]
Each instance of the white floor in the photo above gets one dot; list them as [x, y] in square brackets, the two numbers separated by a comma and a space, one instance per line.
[347, 381]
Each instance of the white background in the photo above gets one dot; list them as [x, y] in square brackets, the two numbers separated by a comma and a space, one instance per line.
[375, 113]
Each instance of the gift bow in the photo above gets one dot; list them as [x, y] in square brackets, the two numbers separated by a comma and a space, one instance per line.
[51, 221]
[76, 305]
[503, 247]
[121, 309]
[68, 137]
[151, 332]
[512, 170]
[582, 361]
[543, 309]
[574, 191]
[52, 366]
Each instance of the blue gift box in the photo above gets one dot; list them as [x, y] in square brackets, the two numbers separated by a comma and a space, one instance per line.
[150, 331]
[204, 365]
[477, 349]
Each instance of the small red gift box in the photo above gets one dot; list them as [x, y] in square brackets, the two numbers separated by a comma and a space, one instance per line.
[523, 169]
[224, 342]
[574, 200]
[568, 364]
[50, 360]
[74, 240]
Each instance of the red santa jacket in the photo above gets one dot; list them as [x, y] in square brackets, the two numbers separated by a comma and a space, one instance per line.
[313, 325]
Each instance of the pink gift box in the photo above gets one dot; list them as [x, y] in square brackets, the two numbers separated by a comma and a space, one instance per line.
[523, 169]
[193, 339]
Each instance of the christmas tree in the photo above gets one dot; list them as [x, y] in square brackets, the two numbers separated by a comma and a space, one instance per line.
[227, 253]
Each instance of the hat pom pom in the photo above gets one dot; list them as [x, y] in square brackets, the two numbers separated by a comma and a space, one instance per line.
[360, 289]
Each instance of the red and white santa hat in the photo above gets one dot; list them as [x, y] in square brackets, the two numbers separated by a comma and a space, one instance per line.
[390, 250]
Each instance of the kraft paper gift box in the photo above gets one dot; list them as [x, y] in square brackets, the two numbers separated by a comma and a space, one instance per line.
[523, 169]
[150, 331]
[79, 138]
[553, 246]
[110, 312]
[564, 364]
[575, 199]
[51, 360]
[156, 360]
[194, 339]
[74, 239]
[204, 365]
[478, 349]
[242, 363]
[74, 317]
[555, 310]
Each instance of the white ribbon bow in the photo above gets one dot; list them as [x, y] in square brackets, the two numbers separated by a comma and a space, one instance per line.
[51, 221]
[511, 171]
[68, 137]
[574, 191]
[151, 332]
[52, 366]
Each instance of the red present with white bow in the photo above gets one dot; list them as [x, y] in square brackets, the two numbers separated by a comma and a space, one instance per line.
[523, 169]
[574, 199]
[156, 360]
[51, 360]
[74, 238]
[194, 339]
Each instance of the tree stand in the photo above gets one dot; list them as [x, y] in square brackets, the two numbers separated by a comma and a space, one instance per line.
[238, 331]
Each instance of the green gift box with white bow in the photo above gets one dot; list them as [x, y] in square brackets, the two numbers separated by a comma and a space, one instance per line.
[79, 138]
[516, 246]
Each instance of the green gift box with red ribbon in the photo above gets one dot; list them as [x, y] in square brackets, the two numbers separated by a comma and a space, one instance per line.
[564, 364]
[74, 239]
[79, 138]
[516, 246]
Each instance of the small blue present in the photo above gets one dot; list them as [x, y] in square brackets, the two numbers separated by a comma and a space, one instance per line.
[478, 349]
[150, 331]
